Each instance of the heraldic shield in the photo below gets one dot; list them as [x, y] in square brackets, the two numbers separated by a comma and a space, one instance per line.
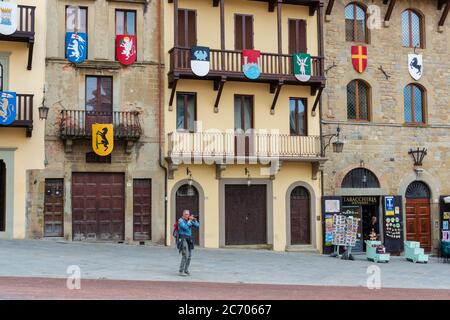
[8, 110]
[251, 63]
[200, 61]
[359, 58]
[415, 66]
[302, 66]
[76, 47]
[8, 17]
[126, 49]
[102, 139]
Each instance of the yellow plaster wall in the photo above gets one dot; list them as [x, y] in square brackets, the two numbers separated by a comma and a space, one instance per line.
[30, 151]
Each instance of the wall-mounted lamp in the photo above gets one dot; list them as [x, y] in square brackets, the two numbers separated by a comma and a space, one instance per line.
[418, 155]
[189, 174]
[249, 180]
[43, 109]
[338, 145]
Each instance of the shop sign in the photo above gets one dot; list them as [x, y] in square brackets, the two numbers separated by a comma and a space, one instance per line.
[8, 18]
[360, 201]
[389, 206]
[8, 108]
[102, 139]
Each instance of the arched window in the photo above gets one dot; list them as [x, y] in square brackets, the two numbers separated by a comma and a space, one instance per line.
[412, 29]
[355, 23]
[358, 101]
[414, 100]
[360, 178]
[418, 190]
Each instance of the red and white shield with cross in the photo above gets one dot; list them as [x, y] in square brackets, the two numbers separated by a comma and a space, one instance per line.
[359, 58]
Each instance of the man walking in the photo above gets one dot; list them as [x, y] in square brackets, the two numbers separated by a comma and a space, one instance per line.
[186, 243]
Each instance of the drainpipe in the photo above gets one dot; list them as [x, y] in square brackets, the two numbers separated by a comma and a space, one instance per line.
[161, 112]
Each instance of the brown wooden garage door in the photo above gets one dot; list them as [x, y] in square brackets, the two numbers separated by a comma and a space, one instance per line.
[98, 206]
[245, 214]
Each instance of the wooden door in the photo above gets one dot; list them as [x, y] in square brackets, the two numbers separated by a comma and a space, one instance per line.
[187, 198]
[245, 214]
[418, 222]
[98, 206]
[2, 195]
[300, 217]
[54, 208]
[142, 209]
[99, 101]
[243, 125]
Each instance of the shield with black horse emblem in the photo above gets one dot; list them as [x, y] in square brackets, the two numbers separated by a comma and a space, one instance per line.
[415, 65]
[102, 139]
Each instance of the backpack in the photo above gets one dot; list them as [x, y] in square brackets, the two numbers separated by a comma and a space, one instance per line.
[175, 234]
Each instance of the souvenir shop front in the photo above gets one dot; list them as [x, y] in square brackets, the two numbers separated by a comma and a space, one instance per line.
[445, 218]
[377, 217]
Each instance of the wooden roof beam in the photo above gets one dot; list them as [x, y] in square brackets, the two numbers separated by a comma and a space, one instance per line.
[329, 9]
[441, 3]
[390, 8]
[444, 16]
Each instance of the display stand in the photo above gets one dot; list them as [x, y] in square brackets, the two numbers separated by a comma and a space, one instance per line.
[345, 234]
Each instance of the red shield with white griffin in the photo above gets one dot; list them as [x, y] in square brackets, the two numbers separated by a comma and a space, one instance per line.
[126, 49]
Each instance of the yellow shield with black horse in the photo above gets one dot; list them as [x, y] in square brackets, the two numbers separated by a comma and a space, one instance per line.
[102, 139]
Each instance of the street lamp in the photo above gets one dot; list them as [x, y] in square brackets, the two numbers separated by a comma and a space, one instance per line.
[338, 145]
[418, 155]
[43, 109]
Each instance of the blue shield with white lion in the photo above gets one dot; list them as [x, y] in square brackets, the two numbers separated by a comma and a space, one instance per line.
[8, 109]
[200, 61]
[76, 47]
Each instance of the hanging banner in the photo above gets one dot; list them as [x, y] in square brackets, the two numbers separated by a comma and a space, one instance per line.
[76, 47]
[251, 63]
[102, 139]
[359, 58]
[302, 66]
[8, 18]
[415, 65]
[8, 110]
[200, 61]
[126, 49]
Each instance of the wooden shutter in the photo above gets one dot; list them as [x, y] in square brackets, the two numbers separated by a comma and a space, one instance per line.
[243, 32]
[297, 36]
[248, 32]
[187, 28]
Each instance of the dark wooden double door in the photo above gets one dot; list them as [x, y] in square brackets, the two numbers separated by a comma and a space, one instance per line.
[187, 198]
[300, 217]
[245, 214]
[98, 206]
[418, 222]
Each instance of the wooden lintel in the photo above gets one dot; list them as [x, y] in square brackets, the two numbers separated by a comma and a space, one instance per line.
[390, 8]
[444, 14]
[316, 102]
[219, 94]
[172, 94]
[275, 98]
[329, 9]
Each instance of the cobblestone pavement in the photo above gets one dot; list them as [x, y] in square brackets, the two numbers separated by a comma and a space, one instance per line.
[49, 259]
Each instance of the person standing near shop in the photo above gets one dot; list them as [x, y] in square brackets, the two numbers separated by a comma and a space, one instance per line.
[186, 241]
[374, 225]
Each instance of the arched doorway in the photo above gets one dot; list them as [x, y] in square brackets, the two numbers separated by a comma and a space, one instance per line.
[187, 198]
[418, 218]
[300, 216]
[2, 195]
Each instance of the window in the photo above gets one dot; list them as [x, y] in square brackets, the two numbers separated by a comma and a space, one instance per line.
[98, 94]
[297, 36]
[358, 101]
[360, 178]
[187, 28]
[412, 29]
[186, 111]
[243, 32]
[76, 20]
[125, 22]
[355, 23]
[414, 97]
[298, 116]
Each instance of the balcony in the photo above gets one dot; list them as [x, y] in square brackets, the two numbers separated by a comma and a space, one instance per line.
[25, 30]
[227, 64]
[24, 113]
[77, 125]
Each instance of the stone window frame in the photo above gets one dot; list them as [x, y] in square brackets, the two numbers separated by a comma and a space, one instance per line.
[424, 105]
[368, 98]
[362, 6]
[421, 27]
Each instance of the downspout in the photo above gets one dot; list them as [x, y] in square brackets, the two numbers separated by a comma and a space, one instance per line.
[161, 112]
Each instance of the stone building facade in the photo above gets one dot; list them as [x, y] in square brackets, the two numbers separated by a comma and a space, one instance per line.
[379, 143]
[79, 195]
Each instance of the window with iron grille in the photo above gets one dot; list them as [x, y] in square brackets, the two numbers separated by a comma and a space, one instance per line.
[412, 30]
[414, 104]
[355, 23]
[358, 101]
